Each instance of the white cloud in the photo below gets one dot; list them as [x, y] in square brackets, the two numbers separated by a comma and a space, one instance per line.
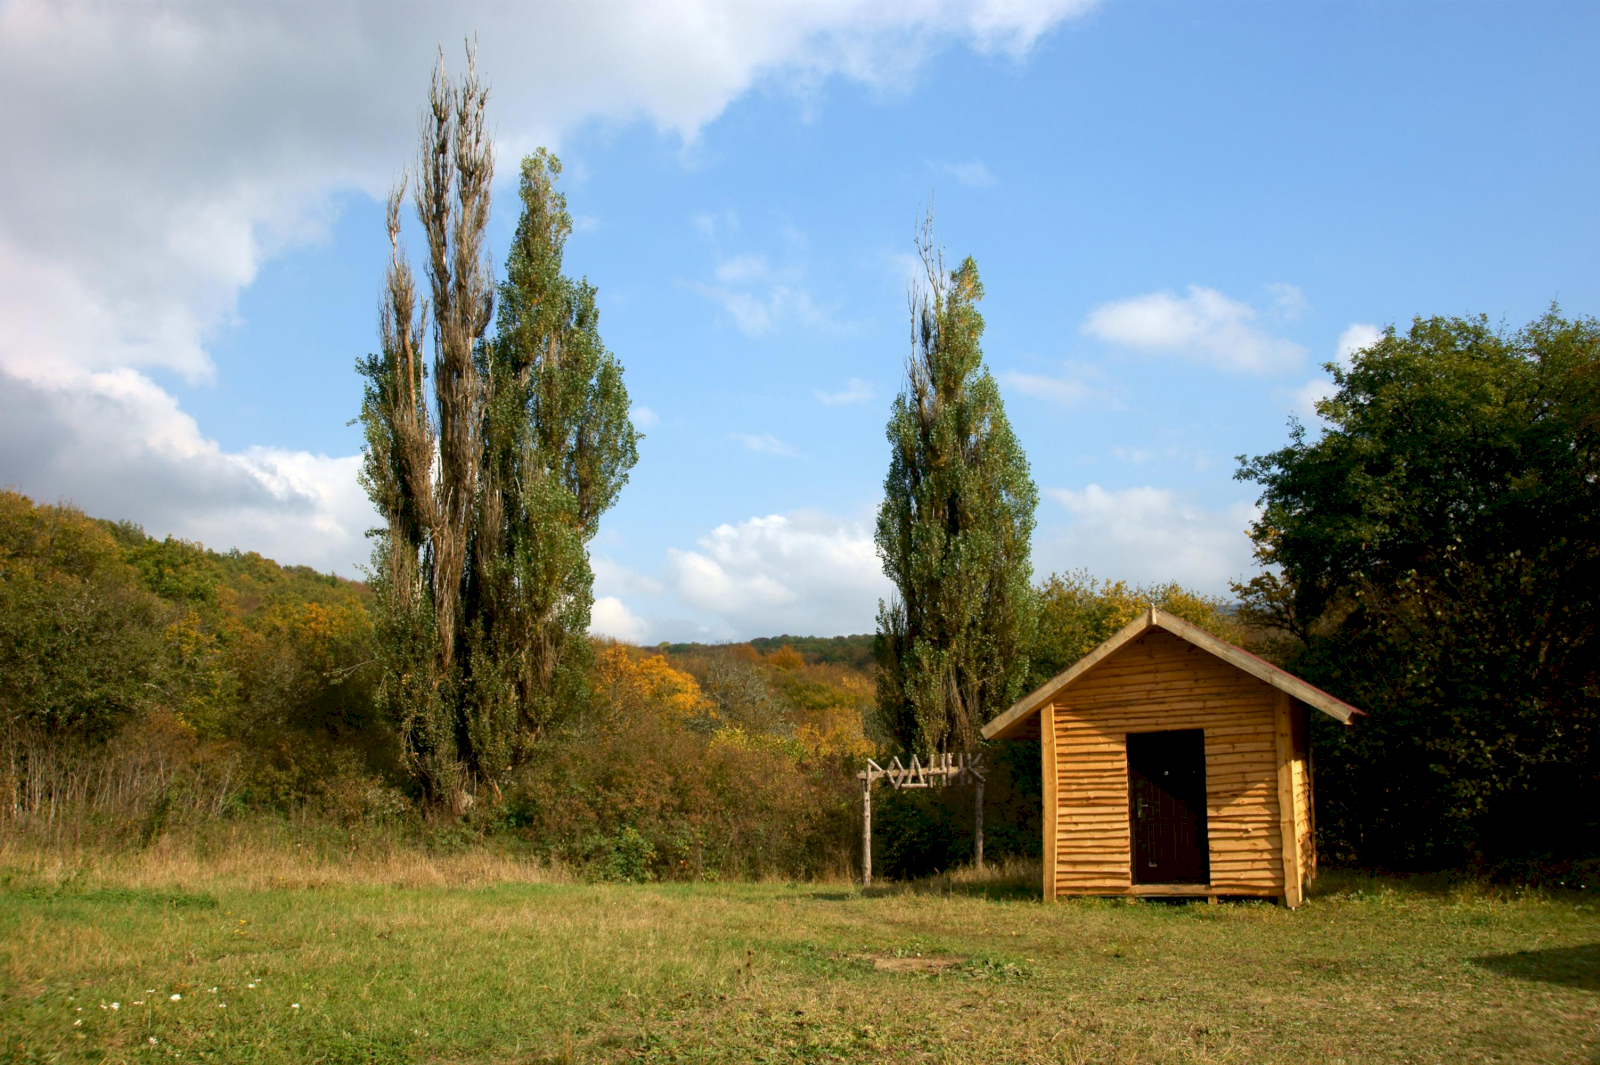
[118, 445]
[1205, 326]
[766, 443]
[643, 417]
[969, 173]
[614, 579]
[1067, 391]
[855, 391]
[1146, 535]
[804, 572]
[166, 149]
[184, 141]
[611, 617]
[1356, 335]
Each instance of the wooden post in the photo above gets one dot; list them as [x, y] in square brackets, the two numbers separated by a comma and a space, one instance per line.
[1047, 752]
[866, 830]
[978, 831]
[1283, 732]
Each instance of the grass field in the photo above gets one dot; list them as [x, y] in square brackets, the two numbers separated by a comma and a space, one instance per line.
[483, 959]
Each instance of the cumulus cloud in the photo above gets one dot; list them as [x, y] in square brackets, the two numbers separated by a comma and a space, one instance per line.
[766, 443]
[1356, 336]
[613, 578]
[1146, 535]
[1205, 326]
[118, 445]
[855, 391]
[168, 148]
[643, 417]
[611, 617]
[804, 572]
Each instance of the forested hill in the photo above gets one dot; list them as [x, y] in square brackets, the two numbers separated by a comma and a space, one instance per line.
[100, 623]
[241, 582]
[854, 652]
[61, 540]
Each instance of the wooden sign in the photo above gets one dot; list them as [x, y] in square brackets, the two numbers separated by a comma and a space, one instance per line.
[939, 771]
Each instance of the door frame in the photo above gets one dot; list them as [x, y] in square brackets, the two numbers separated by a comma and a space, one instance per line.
[1135, 886]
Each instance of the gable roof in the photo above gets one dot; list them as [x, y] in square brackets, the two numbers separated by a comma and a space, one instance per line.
[1008, 724]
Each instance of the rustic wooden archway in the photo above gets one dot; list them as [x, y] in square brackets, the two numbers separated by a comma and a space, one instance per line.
[940, 771]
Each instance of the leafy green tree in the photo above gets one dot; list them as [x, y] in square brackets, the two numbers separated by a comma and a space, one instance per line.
[953, 530]
[489, 493]
[1434, 557]
[80, 639]
[1077, 613]
[558, 446]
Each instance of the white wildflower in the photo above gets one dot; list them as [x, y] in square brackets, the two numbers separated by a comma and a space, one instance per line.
[77, 1022]
[294, 1005]
[176, 998]
[116, 1005]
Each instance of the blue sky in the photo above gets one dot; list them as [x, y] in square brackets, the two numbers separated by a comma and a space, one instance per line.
[1179, 212]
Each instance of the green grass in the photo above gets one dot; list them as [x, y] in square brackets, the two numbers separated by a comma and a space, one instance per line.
[405, 970]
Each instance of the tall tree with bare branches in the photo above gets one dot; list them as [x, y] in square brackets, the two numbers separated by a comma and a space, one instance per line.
[954, 528]
[490, 490]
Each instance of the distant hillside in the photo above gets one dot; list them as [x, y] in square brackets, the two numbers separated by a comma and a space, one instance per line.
[854, 652]
[241, 583]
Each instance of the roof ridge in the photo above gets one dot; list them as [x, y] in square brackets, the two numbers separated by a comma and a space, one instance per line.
[1155, 617]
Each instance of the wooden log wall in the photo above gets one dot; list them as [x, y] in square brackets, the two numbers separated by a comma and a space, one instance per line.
[1154, 683]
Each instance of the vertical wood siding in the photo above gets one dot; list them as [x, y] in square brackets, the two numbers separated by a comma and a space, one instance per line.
[1305, 827]
[1159, 682]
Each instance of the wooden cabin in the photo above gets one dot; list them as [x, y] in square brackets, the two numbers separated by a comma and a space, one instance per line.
[1174, 763]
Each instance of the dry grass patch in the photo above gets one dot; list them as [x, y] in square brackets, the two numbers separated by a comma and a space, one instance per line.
[256, 856]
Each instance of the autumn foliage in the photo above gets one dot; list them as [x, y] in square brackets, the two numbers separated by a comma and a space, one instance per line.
[666, 778]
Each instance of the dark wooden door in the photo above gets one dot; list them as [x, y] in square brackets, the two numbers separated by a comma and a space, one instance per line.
[1167, 807]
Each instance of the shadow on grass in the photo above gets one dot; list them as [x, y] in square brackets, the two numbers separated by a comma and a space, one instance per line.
[1570, 966]
[997, 891]
[1355, 883]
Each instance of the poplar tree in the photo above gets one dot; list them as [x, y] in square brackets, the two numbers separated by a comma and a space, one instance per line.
[489, 491]
[558, 446]
[953, 530]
